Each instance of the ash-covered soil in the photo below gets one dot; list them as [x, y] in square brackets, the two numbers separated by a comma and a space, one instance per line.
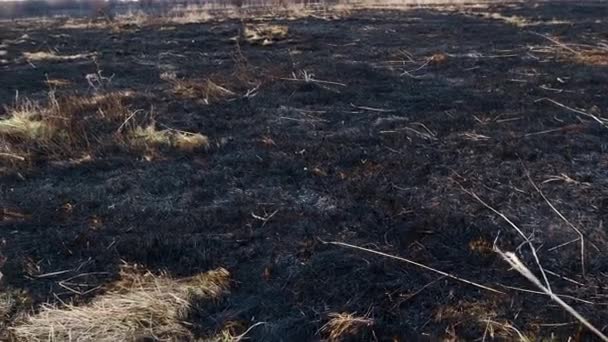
[367, 129]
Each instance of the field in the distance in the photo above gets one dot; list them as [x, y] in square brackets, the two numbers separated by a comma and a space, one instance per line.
[180, 178]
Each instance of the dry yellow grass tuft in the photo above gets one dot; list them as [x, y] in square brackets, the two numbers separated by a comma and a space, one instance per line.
[150, 307]
[151, 137]
[481, 246]
[186, 141]
[27, 121]
[438, 58]
[343, 325]
[207, 91]
[63, 128]
[264, 34]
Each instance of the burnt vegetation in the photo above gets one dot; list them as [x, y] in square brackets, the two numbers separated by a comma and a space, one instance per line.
[339, 172]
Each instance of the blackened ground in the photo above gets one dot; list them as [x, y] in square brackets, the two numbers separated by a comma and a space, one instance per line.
[380, 162]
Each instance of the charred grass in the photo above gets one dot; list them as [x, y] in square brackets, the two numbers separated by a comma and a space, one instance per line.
[347, 175]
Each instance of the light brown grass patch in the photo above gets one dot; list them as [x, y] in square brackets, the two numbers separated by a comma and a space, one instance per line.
[70, 127]
[206, 91]
[593, 57]
[60, 127]
[150, 307]
[438, 58]
[481, 246]
[264, 34]
[516, 20]
[149, 136]
[343, 325]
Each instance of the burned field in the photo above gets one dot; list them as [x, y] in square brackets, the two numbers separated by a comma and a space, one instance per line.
[241, 148]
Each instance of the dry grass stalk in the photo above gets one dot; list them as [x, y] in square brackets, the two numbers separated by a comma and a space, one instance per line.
[520, 267]
[57, 82]
[581, 237]
[506, 329]
[601, 121]
[229, 332]
[474, 136]
[52, 56]
[342, 325]
[151, 307]
[342, 244]
[517, 229]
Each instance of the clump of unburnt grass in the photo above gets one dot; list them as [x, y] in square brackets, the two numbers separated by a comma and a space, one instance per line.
[205, 90]
[345, 325]
[139, 306]
[264, 34]
[72, 126]
[150, 136]
[60, 127]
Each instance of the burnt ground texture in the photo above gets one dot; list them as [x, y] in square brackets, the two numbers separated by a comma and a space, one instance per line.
[376, 128]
